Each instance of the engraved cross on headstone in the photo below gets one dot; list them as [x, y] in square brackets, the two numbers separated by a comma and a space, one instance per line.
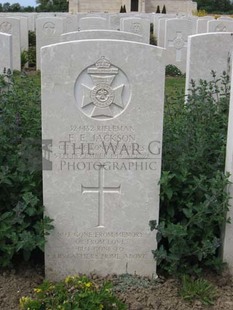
[178, 43]
[100, 189]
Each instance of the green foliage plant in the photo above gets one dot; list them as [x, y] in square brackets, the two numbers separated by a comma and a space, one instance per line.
[217, 6]
[127, 281]
[22, 225]
[24, 58]
[164, 11]
[75, 292]
[52, 6]
[29, 56]
[31, 53]
[198, 289]
[158, 9]
[194, 201]
[153, 39]
[199, 13]
[172, 70]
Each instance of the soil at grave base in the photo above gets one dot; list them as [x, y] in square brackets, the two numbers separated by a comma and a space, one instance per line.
[162, 296]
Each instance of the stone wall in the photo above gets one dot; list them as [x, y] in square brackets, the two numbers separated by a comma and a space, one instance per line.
[172, 6]
[113, 6]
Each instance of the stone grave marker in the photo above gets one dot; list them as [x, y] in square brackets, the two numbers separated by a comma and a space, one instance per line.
[114, 20]
[100, 34]
[156, 20]
[5, 52]
[12, 26]
[24, 33]
[102, 137]
[220, 26]
[225, 18]
[161, 31]
[88, 23]
[194, 20]
[202, 24]
[48, 31]
[207, 52]
[228, 233]
[138, 26]
[176, 37]
[70, 23]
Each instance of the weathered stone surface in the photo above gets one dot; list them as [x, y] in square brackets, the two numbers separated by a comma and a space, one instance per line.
[228, 237]
[138, 26]
[148, 6]
[24, 33]
[100, 34]
[220, 25]
[5, 52]
[12, 26]
[48, 31]
[161, 31]
[102, 127]
[207, 52]
[88, 23]
[202, 24]
[176, 37]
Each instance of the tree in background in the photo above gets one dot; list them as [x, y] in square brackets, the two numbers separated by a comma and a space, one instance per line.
[43, 6]
[215, 5]
[52, 6]
[164, 10]
[15, 7]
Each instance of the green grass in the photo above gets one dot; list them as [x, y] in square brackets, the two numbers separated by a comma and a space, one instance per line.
[198, 289]
[174, 86]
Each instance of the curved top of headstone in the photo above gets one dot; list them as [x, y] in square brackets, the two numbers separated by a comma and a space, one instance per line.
[101, 34]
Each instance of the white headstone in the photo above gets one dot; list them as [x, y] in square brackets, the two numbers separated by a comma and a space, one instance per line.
[207, 52]
[225, 18]
[220, 26]
[176, 38]
[160, 26]
[228, 236]
[100, 34]
[48, 31]
[87, 23]
[194, 20]
[5, 52]
[161, 31]
[114, 20]
[156, 21]
[12, 26]
[202, 24]
[104, 121]
[31, 21]
[70, 22]
[138, 26]
[24, 33]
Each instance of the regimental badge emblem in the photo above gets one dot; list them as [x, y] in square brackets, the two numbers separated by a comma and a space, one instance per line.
[102, 90]
[5, 27]
[221, 28]
[49, 28]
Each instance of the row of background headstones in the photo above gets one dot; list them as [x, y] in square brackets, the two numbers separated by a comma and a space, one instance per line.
[172, 32]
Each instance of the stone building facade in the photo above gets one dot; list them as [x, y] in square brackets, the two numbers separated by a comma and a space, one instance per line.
[141, 6]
